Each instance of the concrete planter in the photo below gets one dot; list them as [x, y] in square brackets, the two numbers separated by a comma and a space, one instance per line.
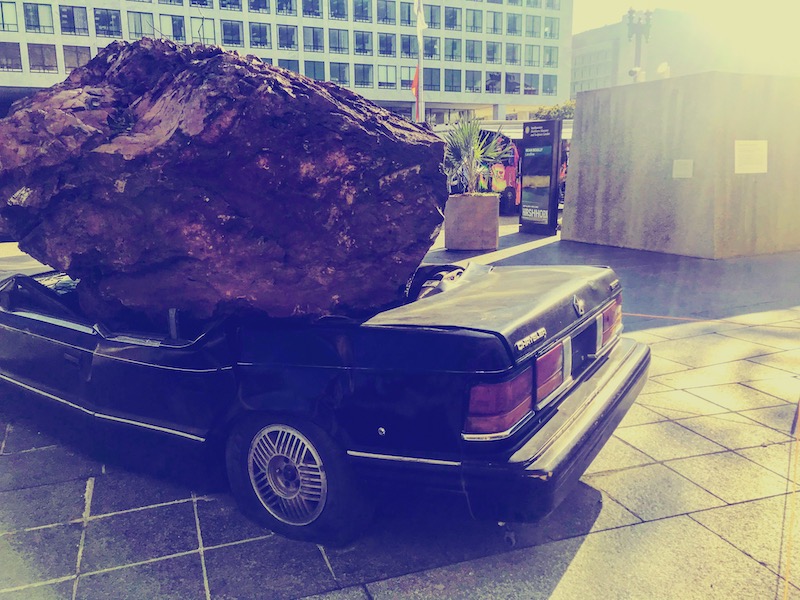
[472, 222]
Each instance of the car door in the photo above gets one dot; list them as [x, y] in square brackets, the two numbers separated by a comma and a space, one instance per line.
[44, 346]
[181, 387]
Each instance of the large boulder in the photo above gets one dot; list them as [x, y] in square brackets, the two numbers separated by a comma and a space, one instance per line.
[166, 176]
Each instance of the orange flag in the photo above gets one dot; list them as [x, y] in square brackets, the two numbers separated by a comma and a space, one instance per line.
[415, 84]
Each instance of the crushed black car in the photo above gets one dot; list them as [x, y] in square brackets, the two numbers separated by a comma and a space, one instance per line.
[500, 384]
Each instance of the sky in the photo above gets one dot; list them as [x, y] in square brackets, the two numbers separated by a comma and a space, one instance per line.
[588, 14]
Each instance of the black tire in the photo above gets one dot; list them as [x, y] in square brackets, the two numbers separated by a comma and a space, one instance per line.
[291, 477]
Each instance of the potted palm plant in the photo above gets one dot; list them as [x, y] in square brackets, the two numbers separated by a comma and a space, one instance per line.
[471, 218]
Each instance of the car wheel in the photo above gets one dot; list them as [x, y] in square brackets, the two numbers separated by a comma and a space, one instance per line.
[291, 477]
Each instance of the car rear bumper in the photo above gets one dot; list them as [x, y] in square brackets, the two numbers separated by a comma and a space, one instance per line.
[542, 472]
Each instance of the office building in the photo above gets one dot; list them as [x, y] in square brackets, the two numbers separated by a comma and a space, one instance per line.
[492, 58]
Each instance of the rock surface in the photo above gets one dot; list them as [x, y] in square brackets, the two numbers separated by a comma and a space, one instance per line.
[187, 177]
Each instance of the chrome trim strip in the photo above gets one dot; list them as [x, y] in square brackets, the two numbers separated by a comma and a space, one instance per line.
[42, 337]
[46, 394]
[183, 434]
[106, 417]
[54, 321]
[165, 367]
[406, 459]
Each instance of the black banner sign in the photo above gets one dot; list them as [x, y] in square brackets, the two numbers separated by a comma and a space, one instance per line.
[541, 150]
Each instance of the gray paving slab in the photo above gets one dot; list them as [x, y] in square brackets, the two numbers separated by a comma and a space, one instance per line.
[663, 366]
[667, 440]
[763, 529]
[709, 349]
[767, 317]
[737, 396]
[40, 555]
[679, 404]
[653, 491]
[616, 455]
[778, 458]
[782, 418]
[41, 505]
[733, 431]
[61, 590]
[731, 477]
[52, 464]
[350, 593]
[788, 360]
[640, 415]
[673, 558]
[178, 578]
[786, 388]
[775, 336]
[740, 371]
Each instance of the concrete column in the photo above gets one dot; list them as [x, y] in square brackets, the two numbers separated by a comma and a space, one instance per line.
[498, 112]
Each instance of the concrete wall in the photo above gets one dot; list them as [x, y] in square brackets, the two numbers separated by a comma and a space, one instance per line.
[622, 189]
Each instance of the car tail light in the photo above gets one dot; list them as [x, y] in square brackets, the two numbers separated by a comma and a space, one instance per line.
[611, 324]
[549, 372]
[497, 407]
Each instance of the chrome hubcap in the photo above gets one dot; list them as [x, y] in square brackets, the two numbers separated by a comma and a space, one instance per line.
[287, 475]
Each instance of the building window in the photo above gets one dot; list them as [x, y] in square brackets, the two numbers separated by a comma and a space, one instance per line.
[549, 85]
[338, 41]
[172, 27]
[265, 60]
[431, 47]
[260, 35]
[494, 22]
[258, 6]
[38, 18]
[406, 77]
[74, 20]
[551, 26]
[173, 2]
[315, 69]
[314, 39]
[203, 30]
[513, 24]
[531, 84]
[286, 7]
[387, 44]
[494, 52]
[387, 77]
[362, 76]
[474, 51]
[512, 83]
[387, 12]
[407, 15]
[431, 79]
[531, 56]
[474, 21]
[232, 33]
[202, 3]
[513, 54]
[550, 58]
[452, 18]
[287, 37]
[408, 46]
[8, 17]
[42, 58]
[140, 25]
[10, 57]
[230, 4]
[107, 23]
[313, 8]
[533, 26]
[340, 73]
[452, 80]
[553, 4]
[473, 81]
[362, 13]
[533, 3]
[452, 49]
[493, 82]
[433, 16]
[76, 56]
[514, 2]
[290, 64]
[337, 9]
[362, 42]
